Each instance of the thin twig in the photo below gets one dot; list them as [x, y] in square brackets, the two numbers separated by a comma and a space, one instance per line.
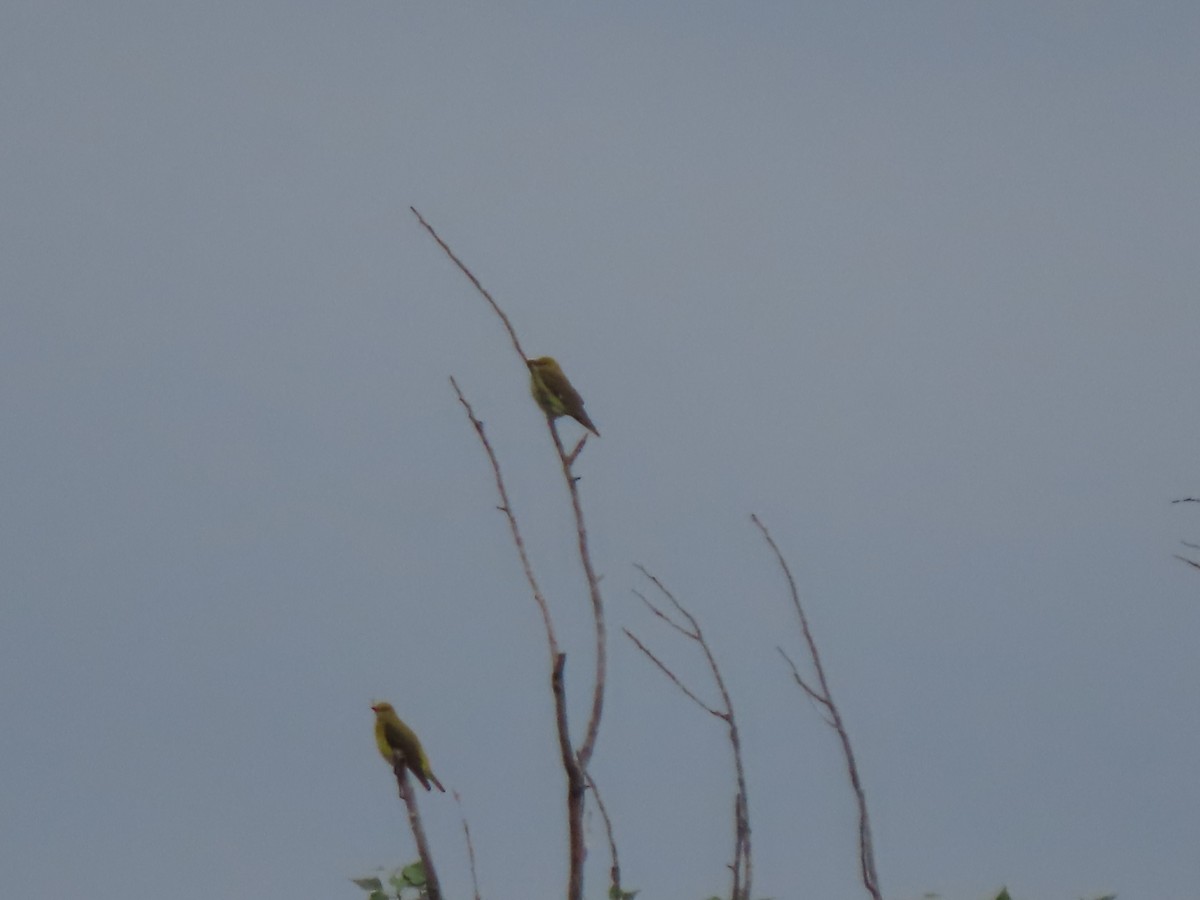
[823, 696]
[816, 698]
[576, 450]
[475, 281]
[1194, 565]
[662, 615]
[741, 868]
[593, 584]
[576, 782]
[671, 675]
[506, 508]
[470, 845]
[614, 872]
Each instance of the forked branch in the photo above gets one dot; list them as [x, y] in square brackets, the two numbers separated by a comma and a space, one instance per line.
[575, 760]
[741, 868]
[614, 871]
[823, 697]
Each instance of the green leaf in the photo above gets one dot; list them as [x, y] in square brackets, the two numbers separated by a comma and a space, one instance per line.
[414, 874]
[368, 884]
[1003, 895]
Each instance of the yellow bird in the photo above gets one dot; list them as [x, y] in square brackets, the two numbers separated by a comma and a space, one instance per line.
[554, 393]
[392, 736]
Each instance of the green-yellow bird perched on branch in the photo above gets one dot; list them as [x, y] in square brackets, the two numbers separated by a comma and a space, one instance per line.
[554, 394]
[392, 736]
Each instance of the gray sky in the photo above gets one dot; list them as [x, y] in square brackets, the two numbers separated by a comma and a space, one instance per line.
[915, 282]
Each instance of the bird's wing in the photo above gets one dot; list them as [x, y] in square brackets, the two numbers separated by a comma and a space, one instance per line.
[395, 737]
[556, 382]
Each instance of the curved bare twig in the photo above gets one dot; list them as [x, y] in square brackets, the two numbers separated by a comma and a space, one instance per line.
[742, 866]
[824, 698]
[506, 508]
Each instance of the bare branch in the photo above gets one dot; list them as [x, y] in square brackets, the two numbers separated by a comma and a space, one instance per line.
[575, 451]
[866, 850]
[506, 508]
[572, 765]
[593, 583]
[614, 873]
[404, 786]
[1187, 500]
[666, 671]
[741, 867]
[470, 845]
[576, 782]
[816, 698]
[662, 589]
[581, 757]
[662, 615]
[475, 281]
[694, 634]
[1194, 565]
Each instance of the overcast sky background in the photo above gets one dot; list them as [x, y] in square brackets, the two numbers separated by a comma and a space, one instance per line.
[917, 283]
